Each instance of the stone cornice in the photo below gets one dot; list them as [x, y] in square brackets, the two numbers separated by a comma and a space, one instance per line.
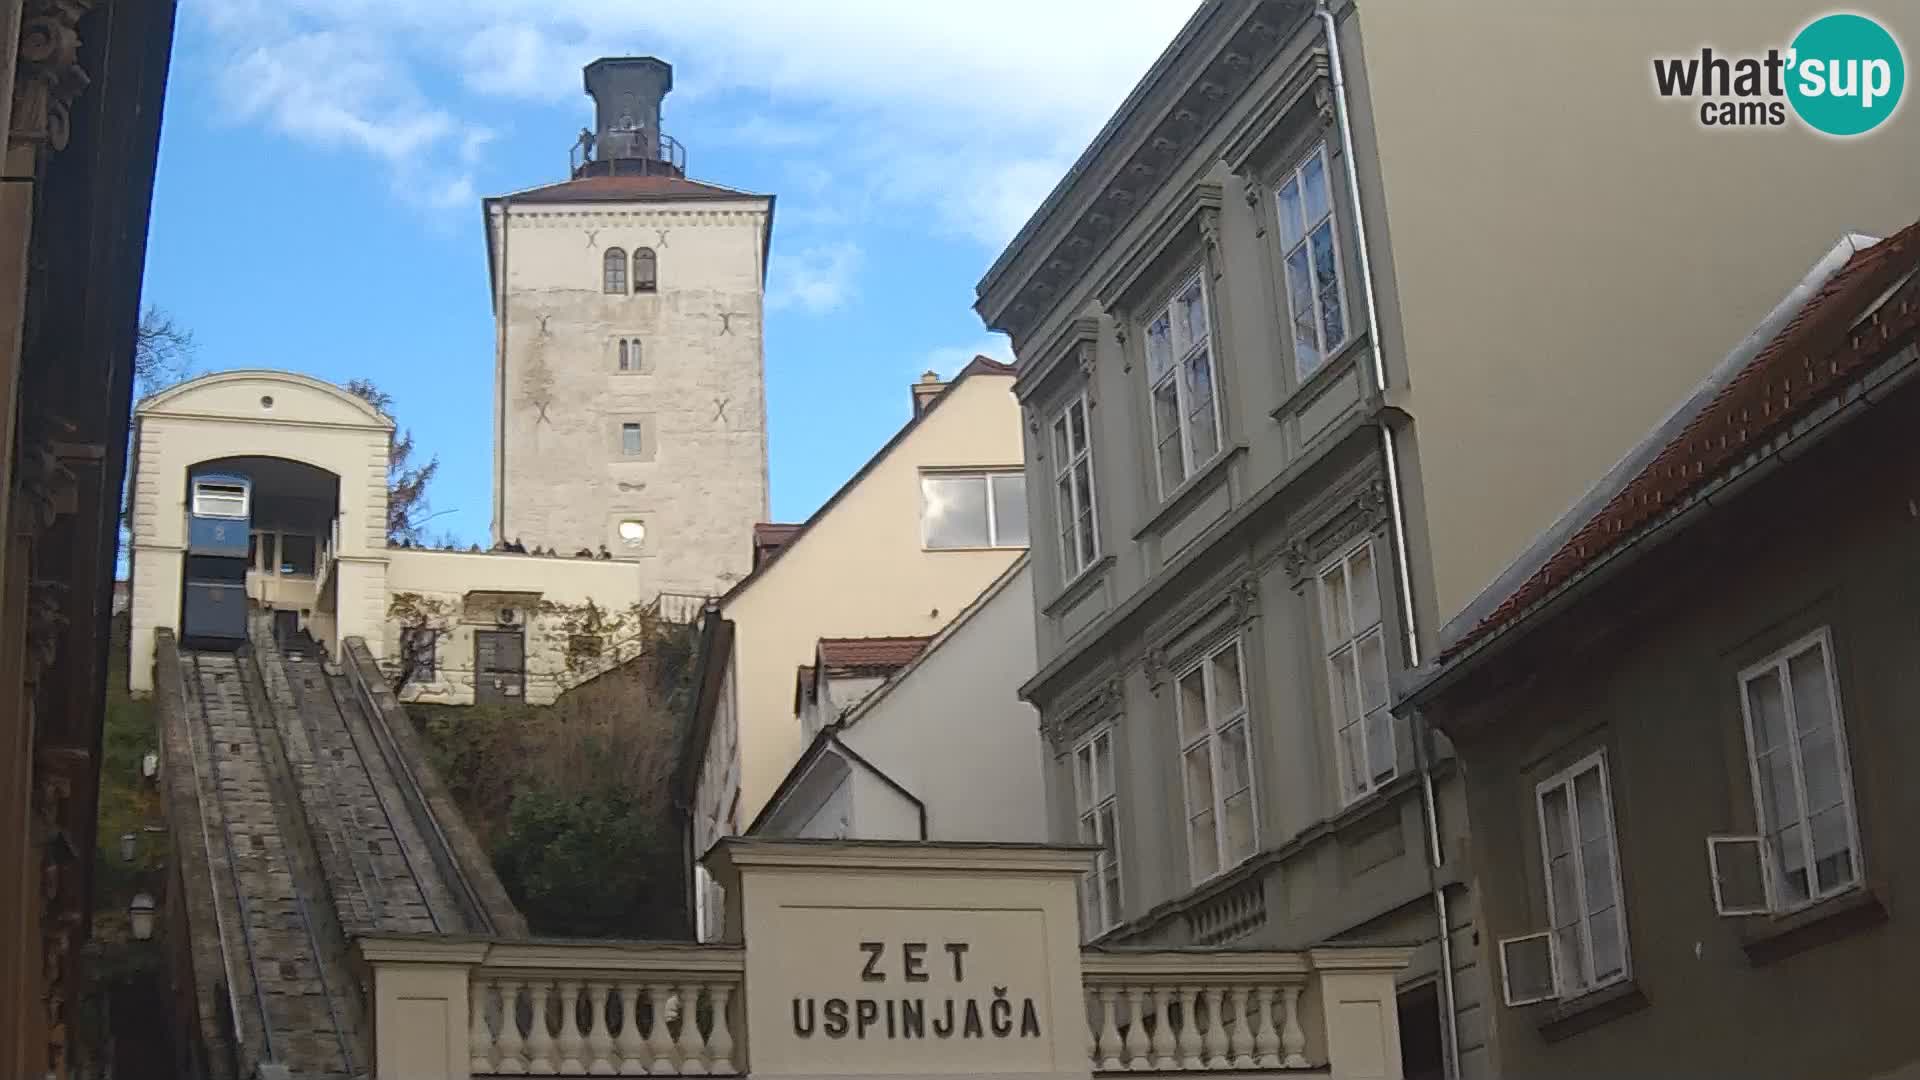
[1197, 213]
[892, 856]
[1181, 100]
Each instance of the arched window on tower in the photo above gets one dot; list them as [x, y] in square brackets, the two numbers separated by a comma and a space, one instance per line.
[613, 272]
[645, 270]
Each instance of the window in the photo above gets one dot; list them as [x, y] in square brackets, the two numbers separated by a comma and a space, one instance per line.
[297, 555]
[632, 531]
[1186, 411]
[1357, 672]
[1803, 791]
[1309, 242]
[1094, 801]
[630, 439]
[417, 652]
[629, 354]
[1587, 940]
[1073, 490]
[646, 270]
[1210, 706]
[613, 272]
[219, 500]
[974, 510]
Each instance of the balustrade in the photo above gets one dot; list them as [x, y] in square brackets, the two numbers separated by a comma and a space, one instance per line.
[1195, 1012]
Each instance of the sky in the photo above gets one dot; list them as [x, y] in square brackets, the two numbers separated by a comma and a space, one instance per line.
[322, 162]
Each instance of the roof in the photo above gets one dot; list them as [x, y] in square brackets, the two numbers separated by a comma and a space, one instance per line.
[1800, 362]
[826, 741]
[979, 365]
[161, 400]
[768, 538]
[870, 654]
[624, 188]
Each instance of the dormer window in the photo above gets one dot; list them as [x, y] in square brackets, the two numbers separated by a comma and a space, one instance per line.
[645, 270]
[613, 272]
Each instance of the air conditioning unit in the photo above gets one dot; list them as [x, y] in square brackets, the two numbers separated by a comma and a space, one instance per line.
[509, 617]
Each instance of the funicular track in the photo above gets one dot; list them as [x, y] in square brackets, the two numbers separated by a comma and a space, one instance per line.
[291, 1002]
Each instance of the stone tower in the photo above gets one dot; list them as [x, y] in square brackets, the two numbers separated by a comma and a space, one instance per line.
[629, 401]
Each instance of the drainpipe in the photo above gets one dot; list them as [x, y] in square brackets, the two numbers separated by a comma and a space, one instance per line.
[1397, 512]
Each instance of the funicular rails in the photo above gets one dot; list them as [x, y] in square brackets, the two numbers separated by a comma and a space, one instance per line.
[303, 1018]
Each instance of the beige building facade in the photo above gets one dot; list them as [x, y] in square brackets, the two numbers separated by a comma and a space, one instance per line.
[1308, 351]
[629, 394]
[899, 550]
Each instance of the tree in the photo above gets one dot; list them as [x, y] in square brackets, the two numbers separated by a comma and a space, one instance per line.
[406, 481]
[162, 352]
[587, 860]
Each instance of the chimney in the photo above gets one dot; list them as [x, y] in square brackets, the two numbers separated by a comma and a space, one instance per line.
[925, 391]
[626, 92]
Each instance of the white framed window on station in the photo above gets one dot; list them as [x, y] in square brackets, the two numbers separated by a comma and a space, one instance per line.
[1075, 508]
[1216, 761]
[1584, 946]
[1807, 848]
[1181, 381]
[1097, 806]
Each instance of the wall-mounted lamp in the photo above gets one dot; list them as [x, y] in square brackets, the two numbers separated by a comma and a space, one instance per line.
[128, 845]
[150, 765]
[140, 916]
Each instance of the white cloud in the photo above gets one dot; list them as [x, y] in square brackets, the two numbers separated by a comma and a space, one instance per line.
[817, 279]
[947, 361]
[970, 111]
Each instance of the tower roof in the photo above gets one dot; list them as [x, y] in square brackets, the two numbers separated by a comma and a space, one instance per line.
[623, 188]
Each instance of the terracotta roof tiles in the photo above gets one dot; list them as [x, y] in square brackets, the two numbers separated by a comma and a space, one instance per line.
[870, 653]
[622, 188]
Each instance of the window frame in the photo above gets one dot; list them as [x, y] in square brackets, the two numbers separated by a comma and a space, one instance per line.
[650, 281]
[234, 497]
[628, 355]
[1191, 464]
[986, 475]
[1296, 175]
[1778, 661]
[1211, 737]
[1088, 807]
[638, 447]
[613, 268]
[1564, 779]
[1068, 514]
[1342, 562]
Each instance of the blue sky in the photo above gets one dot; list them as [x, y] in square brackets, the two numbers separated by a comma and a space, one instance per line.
[322, 163]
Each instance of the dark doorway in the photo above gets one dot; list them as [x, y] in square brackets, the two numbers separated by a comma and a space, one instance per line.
[1422, 1047]
[286, 628]
[499, 665]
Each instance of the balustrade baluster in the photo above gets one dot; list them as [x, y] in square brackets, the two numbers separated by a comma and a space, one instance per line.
[1109, 1031]
[571, 1045]
[1137, 1058]
[693, 1048]
[1266, 1041]
[631, 1045]
[1240, 1039]
[1090, 1005]
[599, 1033]
[512, 1048]
[479, 1038]
[1293, 1041]
[659, 1040]
[1216, 1030]
[720, 1042]
[1189, 1029]
[1163, 1044]
[539, 1038]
